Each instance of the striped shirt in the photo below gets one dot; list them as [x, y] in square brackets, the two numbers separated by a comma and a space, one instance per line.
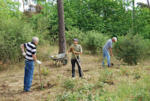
[30, 50]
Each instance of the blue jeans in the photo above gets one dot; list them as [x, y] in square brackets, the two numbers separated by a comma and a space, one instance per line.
[28, 75]
[106, 54]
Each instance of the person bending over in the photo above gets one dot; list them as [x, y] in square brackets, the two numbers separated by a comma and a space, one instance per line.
[107, 51]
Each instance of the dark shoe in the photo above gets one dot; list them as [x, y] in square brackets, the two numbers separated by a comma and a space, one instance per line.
[26, 91]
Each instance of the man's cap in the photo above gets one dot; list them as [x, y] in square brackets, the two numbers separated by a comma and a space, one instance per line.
[75, 40]
[35, 39]
[115, 38]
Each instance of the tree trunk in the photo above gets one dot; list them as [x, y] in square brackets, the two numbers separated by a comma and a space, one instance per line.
[62, 40]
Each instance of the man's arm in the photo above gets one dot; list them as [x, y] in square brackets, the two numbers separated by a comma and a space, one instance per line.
[111, 53]
[34, 57]
[22, 48]
[77, 52]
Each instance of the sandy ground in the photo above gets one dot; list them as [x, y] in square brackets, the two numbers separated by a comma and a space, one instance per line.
[11, 80]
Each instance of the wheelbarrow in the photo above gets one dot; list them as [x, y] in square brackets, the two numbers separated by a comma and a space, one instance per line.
[59, 59]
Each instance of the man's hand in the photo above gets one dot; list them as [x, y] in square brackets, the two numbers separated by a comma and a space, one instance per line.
[111, 54]
[24, 54]
[38, 62]
[77, 53]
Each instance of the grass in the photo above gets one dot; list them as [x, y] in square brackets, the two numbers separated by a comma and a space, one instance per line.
[126, 83]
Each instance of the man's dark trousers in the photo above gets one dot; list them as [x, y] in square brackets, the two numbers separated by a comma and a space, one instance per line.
[73, 62]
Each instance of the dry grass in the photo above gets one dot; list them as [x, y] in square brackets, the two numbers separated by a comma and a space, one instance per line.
[11, 82]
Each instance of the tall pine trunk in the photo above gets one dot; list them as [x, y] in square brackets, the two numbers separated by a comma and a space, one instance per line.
[62, 40]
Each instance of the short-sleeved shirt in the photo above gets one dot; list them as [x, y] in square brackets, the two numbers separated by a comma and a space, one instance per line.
[77, 48]
[30, 50]
[108, 44]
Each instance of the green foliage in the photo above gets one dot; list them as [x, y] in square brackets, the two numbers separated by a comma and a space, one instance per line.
[45, 71]
[67, 96]
[94, 41]
[69, 84]
[13, 33]
[124, 71]
[105, 17]
[131, 49]
[74, 33]
[125, 91]
[106, 76]
[9, 9]
[85, 88]
[80, 93]
[138, 91]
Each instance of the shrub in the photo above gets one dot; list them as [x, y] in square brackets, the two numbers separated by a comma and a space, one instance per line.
[85, 88]
[67, 96]
[74, 33]
[106, 76]
[94, 41]
[13, 32]
[69, 84]
[124, 71]
[131, 49]
[45, 71]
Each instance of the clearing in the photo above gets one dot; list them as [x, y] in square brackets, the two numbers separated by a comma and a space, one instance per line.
[11, 82]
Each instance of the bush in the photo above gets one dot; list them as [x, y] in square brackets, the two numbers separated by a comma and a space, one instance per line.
[67, 96]
[45, 71]
[94, 41]
[74, 33]
[13, 32]
[106, 76]
[69, 84]
[131, 49]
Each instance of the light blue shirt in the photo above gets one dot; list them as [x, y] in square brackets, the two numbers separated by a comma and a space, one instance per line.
[108, 44]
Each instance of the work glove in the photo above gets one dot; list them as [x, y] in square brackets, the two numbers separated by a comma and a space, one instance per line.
[38, 62]
[24, 54]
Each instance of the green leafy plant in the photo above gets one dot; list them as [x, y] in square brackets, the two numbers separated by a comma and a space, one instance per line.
[124, 71]
[45, 71]
[106, 76]
[13, 33]
[94, 41]
[131, 49]
[74, 33]
[69, 84]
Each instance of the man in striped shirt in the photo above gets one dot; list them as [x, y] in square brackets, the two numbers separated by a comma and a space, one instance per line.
[30, 57]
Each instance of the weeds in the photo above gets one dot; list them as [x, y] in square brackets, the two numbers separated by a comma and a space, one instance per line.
[124, 72]
[69, 84]
[45, 71]
[106, 76]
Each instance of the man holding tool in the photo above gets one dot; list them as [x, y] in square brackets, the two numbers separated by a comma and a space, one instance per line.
[107, 51]
[30, 57]
[76, 50]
